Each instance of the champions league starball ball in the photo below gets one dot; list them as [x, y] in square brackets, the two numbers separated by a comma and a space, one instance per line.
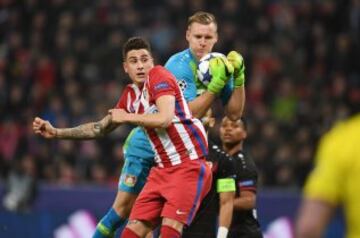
[203, 71]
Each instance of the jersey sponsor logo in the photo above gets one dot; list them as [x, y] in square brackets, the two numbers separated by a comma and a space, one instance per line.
[246, 183]
[161, 85]
[180, 212]
[130, 180]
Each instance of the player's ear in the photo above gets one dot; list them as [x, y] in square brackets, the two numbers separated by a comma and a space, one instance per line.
[125, 67]
[188, 34]
[244, 135]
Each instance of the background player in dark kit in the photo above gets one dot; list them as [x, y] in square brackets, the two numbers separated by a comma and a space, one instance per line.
[229, 163]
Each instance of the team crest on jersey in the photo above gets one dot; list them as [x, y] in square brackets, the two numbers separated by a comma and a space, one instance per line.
[182, 84]
[130, 180]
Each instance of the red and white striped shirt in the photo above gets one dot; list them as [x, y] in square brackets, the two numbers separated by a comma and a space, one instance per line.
[130, 98]
[185, 138]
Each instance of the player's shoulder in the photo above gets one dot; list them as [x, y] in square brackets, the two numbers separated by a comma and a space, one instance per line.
[215, 149]
[341, 141]
[343, 133]
[180, 57]
[159, 71]
[131, 88]
[348, 128]
[245, 163]
[180, 62]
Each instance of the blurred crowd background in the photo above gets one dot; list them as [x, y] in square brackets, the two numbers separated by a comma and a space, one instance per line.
[61, 60]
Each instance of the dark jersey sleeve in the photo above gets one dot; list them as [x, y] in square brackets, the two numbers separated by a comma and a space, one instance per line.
[246, 174]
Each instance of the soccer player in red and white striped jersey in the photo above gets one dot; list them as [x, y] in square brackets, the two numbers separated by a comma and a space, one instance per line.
[181, 179]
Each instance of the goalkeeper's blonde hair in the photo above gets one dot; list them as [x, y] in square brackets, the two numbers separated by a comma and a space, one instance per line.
[204, 18]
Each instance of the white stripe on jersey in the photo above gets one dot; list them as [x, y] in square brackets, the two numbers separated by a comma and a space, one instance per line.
[169, 147]
[185, 139]
[157, 157]
[200, 126]
[185, 106]
[133, 104]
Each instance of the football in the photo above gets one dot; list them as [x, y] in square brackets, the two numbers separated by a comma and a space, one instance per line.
[203, 72]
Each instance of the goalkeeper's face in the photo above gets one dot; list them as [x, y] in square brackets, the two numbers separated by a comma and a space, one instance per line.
[137, 65]
[201, 38]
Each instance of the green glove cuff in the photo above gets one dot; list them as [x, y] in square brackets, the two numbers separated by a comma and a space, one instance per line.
[239, 81]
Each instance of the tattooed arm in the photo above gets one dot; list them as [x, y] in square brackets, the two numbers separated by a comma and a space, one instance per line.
[89, 130]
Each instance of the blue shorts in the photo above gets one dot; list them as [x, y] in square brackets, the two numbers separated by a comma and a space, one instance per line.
[139, 158]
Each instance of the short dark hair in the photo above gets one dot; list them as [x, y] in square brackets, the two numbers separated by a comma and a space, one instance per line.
[135, 43]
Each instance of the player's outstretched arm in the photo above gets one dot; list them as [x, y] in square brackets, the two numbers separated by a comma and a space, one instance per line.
[235, 106]
[89, 130]
[162, 119]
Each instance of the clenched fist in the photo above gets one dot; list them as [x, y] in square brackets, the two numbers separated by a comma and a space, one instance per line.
[43, 128]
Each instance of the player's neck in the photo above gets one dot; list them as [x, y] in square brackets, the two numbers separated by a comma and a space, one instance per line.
[232, 149]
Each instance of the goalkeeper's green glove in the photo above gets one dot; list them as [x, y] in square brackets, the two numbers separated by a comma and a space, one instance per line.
[239, 68]
[221, 70]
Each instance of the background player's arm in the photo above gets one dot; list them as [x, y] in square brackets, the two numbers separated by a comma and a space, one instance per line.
[310, 226]
[162, 119]
[89, 130]
[226, 188]
[226, 209]
[246, 201]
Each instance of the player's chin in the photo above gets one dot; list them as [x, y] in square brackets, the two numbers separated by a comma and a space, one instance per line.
[201, 54]
[227, 140]
[140, 79]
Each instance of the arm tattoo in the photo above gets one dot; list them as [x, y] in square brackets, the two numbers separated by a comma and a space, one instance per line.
[87, 131]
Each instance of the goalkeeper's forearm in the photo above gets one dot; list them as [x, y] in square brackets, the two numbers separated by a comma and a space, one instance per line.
[87, 131]
[236, 104]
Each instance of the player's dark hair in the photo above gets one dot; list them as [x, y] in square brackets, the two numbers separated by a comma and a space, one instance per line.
[135, 43]
[204, 18]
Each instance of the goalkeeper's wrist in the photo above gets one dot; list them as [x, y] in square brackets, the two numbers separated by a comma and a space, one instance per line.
[239, 82]
[222, 232]
[215, 86]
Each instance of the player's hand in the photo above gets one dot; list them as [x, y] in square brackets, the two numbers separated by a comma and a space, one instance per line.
[237, 62]
[118, 115]
[43, 128]
[221, 70]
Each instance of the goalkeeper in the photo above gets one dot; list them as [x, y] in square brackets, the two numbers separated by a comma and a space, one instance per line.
[201, 36]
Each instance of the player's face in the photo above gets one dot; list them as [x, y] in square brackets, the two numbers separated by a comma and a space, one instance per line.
[232, 132]
[201, 38]
[138, 64]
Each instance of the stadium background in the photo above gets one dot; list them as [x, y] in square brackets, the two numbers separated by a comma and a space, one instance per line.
[61, 60]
